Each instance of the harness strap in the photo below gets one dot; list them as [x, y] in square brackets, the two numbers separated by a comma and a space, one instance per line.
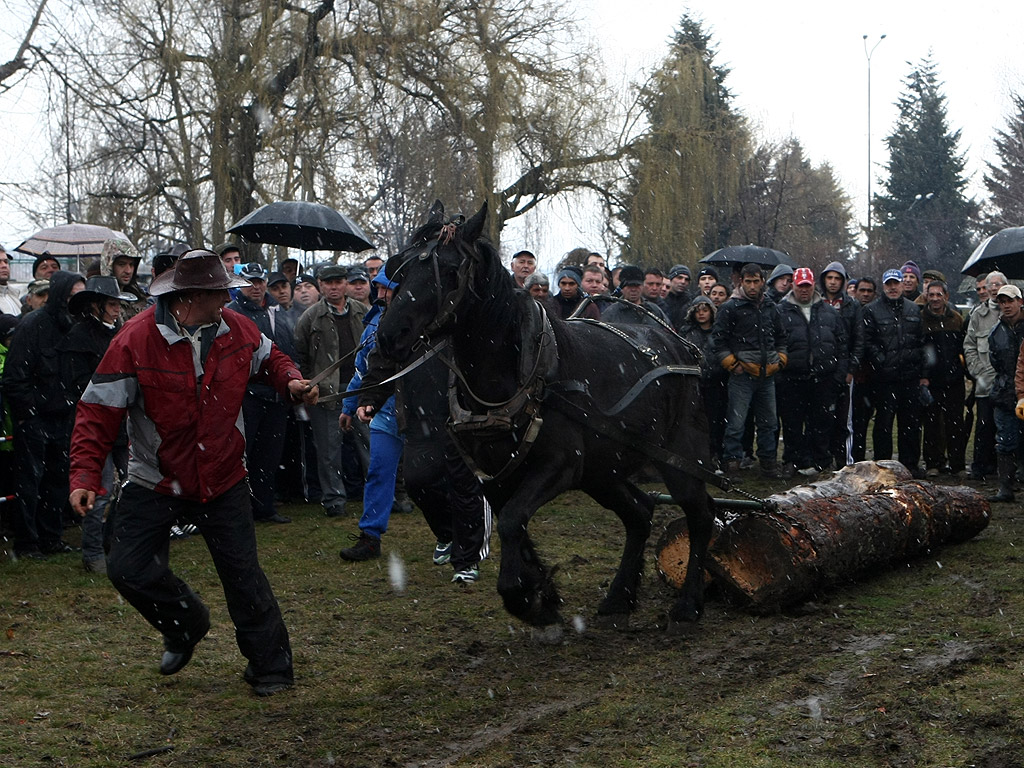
[647, 378]
[608, 428]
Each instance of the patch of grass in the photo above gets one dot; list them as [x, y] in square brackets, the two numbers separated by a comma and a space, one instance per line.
[917, 665]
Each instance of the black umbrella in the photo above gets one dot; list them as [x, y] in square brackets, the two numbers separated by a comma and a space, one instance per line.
[1003, 251]
[738, 255]
[309, 226]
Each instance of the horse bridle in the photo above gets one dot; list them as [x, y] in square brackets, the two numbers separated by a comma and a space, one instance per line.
[446, 303]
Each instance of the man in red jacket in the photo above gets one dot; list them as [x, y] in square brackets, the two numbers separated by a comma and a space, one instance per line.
[179, 372]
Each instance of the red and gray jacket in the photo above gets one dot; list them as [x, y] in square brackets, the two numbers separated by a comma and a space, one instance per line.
[185, 425]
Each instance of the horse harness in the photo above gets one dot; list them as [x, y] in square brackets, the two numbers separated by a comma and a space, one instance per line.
[536, 379]
[538, 386]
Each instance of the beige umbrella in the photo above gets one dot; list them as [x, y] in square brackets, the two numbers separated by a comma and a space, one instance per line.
[77, 241]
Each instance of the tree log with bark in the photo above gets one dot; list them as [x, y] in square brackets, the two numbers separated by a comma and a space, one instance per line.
[864, 518]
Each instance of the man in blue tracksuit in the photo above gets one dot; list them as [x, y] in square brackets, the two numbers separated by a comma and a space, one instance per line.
[385, 440]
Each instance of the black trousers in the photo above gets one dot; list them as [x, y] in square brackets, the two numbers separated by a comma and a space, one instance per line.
[139, 569]
[898, 400]
[716, 405]
[984, 437]
[944, 438]
[449, 494]
[265, 425]
[841, 434]
[41, 446]
[863, 409]
[806, 409]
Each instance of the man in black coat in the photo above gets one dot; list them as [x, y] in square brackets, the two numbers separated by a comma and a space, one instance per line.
[42, 416]
[264, 410]
[98, 310]
[808, 386]
[945, 442]
[893, 350]
[749, 342]
[832, 283]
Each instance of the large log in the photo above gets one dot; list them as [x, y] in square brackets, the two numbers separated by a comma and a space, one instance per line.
[864, 518]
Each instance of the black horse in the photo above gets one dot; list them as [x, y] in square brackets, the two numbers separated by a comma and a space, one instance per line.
[543, 406]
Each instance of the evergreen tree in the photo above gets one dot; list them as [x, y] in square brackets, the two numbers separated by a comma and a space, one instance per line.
[684, 174]
[1005, 180]
[924, 214]
[789, 204]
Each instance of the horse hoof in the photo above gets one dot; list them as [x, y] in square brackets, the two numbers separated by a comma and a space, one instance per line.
[552, 634]
[612, 621]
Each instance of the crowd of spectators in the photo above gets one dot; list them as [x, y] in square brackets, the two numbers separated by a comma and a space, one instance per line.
[798, 370]
[816, 363]
[53, 335]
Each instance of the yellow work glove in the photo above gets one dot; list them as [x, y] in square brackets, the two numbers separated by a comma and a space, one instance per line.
[783, 359]
[1020, 409]
[729, 362]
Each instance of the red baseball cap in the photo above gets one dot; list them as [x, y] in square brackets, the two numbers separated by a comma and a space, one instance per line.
[803, 276]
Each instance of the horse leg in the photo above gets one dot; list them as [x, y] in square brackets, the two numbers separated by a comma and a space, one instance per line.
[524, 583]
[635, 509]
[691, 495]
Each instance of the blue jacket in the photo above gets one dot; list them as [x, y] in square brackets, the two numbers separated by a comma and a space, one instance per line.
[385, 420]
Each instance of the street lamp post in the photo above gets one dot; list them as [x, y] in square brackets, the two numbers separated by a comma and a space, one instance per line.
[868, 54]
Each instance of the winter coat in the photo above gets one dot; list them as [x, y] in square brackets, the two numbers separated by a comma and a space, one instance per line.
[184, 421]
[80, 353]
[676, 307]
[561, 307]
[6, 423]
[1003, 349]
[983, 319]
[818, 348]
[851, 311]
[32, 382]
[692, 332]
[943, 346]
[386, 419]
[749, 333]
[270, 320]
[317, 344]
[618, 313]
[893, 344]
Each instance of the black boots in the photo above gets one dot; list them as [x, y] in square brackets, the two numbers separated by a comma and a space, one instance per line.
[1007, 471]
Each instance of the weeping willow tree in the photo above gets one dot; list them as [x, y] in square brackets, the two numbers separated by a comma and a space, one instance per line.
[685, 170]
[192, 113]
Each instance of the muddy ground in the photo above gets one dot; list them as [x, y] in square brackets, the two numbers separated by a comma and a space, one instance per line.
[919, 665]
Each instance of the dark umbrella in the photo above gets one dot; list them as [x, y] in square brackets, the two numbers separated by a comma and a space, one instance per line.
[1003, 251]
[309, 226]
[738, 255]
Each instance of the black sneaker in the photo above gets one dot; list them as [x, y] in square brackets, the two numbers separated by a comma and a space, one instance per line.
[366, 547]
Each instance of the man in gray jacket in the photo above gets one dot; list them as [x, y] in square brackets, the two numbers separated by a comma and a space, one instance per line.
[327, 332]
[983, 319]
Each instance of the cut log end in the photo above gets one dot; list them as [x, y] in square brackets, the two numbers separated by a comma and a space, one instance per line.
[775, 558]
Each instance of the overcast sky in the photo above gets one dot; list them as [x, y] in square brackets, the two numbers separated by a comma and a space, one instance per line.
[797, 68]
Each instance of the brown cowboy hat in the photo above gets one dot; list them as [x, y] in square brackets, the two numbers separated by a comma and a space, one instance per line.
[196, 270]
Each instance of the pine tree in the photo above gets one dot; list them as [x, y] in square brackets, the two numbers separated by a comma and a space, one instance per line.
[925, 216]
[1005, 180]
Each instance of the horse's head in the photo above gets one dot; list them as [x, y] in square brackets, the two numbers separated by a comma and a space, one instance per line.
[434, 272]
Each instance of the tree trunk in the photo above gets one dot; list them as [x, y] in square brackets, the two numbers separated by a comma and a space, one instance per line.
[866, 517]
